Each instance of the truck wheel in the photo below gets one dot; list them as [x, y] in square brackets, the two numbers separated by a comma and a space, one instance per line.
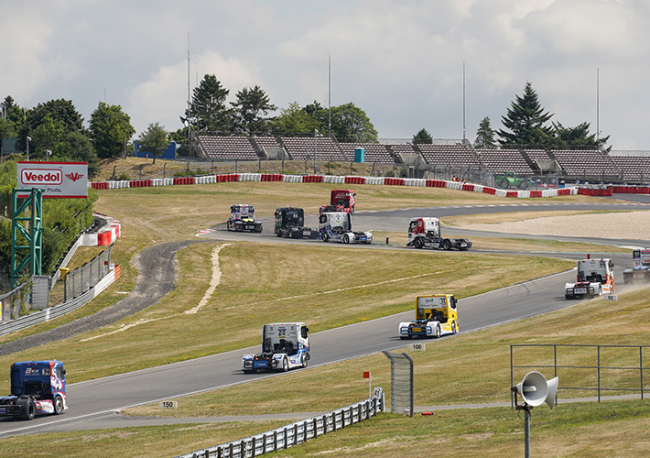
[568, 298]
[229, 226]
[27, 409]
[248, 372]
[446, 245]
[346, 239]
[438, 332]
[326, 237]
[58, 405]
[304, 361]
[405, 337]
[285, 365]
[453, 328]
[417, 243]
[278, 233]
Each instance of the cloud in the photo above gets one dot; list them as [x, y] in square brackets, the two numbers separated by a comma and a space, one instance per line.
[163, 97]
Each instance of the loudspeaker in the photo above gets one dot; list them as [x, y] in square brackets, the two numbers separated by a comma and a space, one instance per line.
[535, 390]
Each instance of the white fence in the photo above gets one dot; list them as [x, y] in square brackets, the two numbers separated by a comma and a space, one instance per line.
[295, 433]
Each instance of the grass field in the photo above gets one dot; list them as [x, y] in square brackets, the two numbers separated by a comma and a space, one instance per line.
[467, 368]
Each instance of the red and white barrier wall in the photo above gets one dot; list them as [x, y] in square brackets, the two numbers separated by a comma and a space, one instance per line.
[106, 235]
[355, 180]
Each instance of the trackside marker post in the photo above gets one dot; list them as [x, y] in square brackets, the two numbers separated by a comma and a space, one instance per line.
[369, 377]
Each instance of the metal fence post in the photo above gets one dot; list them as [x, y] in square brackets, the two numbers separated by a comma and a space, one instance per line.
[641, 368]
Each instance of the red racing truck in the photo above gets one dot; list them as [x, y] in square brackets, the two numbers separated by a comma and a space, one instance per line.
[341, 200]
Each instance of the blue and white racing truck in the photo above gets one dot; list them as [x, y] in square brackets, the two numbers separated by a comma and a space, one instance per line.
[37, 387]
[284, 346]
[337, 227]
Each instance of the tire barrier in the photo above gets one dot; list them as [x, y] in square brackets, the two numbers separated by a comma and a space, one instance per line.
[271, 177]
[312, 179]
[96, 185]
[334, 179]
[358, 180]
[392, 181]
[436, 184]
[595, 192]
[388, 181]
[629, 189]
[140, 183]
[227, 178]
[184, 180]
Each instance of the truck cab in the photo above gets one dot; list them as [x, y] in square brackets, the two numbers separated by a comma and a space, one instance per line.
[37, 387]
[284, 346]
[595, 277]
[242, 218]
[341, 200]
[435, 316]
[289, 222]
[640, 270]
[424, 232]
[337, 227]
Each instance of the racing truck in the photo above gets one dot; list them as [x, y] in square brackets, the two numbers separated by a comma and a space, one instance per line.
[289, 222]
[640, 270]
[37, 387]
[337, 227]
[284, 346]
[435, 315]
[425, 232]
[341, 200]
[242, 218]
[595, 277]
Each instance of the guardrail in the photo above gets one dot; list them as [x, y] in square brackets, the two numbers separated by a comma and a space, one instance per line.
[296, 433]
[56, 311]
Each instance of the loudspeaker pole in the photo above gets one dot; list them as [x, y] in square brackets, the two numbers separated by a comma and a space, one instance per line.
[527, 431]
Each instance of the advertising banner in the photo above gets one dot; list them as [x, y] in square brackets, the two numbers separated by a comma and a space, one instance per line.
[58, 180]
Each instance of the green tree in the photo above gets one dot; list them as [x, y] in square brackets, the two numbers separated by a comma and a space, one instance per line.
[525, 122]
[485, 135]
[110, 130]
[76, 147]
[350, 123]
[250, 111]
[59, 111]
[154, 140]
[577, 137]
[48, 136]
[208, 111]
[422, 138]
[293, 121]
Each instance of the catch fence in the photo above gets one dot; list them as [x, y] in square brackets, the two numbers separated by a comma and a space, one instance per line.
[584, 369]
[85, 277]
[401, 382]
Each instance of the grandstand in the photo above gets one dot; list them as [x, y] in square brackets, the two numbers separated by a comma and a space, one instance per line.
[449, 155]
[500, 161]
[227, 148]
[571, 164]
[633, 168]
[302, 148]
[373, 152]
[586, 164]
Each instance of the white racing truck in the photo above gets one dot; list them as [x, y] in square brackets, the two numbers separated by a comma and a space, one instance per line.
[595, 278]
[284, 346]
[337, 227]
[242, 218]
[435, 315]
[425, 232]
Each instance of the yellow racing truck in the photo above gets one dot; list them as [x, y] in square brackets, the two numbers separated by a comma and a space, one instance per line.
[435, 315]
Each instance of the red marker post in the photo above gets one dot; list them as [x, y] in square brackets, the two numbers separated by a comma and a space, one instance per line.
[369, 377]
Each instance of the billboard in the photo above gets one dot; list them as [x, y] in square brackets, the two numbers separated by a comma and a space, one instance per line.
[58, 180]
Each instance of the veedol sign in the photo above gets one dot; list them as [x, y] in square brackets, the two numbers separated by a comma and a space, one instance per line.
[62, 180]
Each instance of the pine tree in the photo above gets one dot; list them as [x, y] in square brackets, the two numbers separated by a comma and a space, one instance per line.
[525, 122]
[485, 135]
[422, 138]
[208, 111]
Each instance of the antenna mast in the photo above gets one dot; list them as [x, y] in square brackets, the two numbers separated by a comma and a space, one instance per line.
[329, 102]
[598, 109]
[463, 103]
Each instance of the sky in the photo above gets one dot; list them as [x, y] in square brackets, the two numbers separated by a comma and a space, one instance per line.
[441, 65]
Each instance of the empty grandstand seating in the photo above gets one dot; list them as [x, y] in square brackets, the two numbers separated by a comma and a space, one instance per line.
[227, 148]
[373, 152]
[585, 163]
[634, 169]
[448, 155]
[302, 148]
[504, 160]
